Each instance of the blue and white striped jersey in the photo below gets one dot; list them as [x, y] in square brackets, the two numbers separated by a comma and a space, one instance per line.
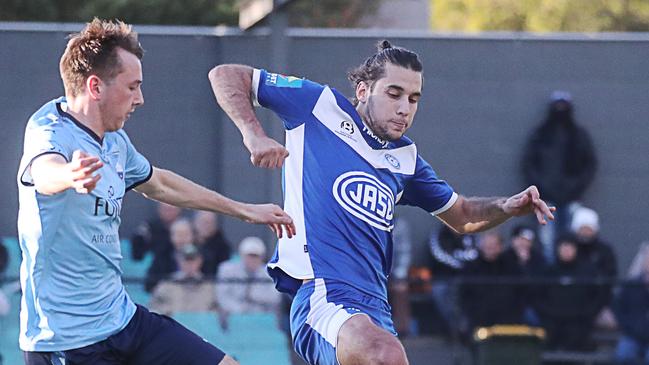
[341, 184]
[70, 273]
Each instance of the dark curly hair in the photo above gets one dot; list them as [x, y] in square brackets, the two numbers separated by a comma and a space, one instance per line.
[94, 51]
[374, 66]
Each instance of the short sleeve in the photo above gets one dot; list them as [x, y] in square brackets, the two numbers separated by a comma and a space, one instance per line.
[425, 190]
[291, 98]
[138, 169]
[43, 137]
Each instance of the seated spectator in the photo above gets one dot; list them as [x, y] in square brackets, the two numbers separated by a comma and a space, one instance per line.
[631, 307]
[210, 241]
[569, 304]
[585, 224]
[186, 290]
[449, 254]
[495, 298]
[531, 263]
[180, 234]
[153, 236]
[523, 251]
[243, 286]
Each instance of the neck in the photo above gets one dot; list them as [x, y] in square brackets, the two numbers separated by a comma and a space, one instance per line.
[362, 112]
[86, 113]
[368, 122]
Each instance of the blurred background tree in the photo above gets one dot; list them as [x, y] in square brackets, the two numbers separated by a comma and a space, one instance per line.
[540, 15]
[302, 13]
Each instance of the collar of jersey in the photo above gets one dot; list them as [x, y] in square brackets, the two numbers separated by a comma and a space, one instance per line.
[78, 123]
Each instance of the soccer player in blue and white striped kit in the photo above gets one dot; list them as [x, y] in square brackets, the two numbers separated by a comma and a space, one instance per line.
[77, 165]
[346, 165]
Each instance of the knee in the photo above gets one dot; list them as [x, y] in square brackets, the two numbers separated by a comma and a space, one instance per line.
[387, 353]
[227, 360]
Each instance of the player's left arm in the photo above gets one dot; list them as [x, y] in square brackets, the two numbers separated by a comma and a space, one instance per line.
[171, 188]
[470, 215]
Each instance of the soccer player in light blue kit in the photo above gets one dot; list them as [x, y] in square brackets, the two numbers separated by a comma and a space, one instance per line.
[349, 164]
[77, 165]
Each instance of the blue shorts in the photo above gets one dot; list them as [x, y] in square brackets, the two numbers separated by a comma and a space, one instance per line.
[149, 338]
[319, 310]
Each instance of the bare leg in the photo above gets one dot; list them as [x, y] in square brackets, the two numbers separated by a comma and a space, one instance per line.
[361, 342]
[227, 360]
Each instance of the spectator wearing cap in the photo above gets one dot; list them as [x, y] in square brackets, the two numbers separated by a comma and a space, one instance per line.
[585, 224]
[243, 286]
[559, 158]
[186, 290]
[524, 254]
[600, 254]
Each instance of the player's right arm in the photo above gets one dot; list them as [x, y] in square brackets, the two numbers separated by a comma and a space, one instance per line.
[52, 174]
[232, 86]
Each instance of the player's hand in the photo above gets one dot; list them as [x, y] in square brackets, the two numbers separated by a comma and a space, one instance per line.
[272, 215]
[528, 201]
[265, 152]
[81, 170]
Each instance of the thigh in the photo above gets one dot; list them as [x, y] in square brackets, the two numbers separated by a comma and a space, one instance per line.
[360, 342]
[169, 343]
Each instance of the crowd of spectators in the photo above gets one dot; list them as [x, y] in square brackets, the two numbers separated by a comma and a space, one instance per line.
[193, 270]
[500, 281]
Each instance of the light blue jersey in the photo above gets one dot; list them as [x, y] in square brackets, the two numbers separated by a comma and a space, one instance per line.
[341, 184]
[70, 273]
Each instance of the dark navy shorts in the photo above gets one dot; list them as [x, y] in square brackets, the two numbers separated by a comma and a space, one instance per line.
[149, 338]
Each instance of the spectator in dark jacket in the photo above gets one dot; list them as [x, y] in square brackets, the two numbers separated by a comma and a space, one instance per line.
[153, 236]
[449, 254]
[568, 306]
[585, 224]
[495, 298]
[524, 255]
[631, 308]
[560, 160]
[211, 242]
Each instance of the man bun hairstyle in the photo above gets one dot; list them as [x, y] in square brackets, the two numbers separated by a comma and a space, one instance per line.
[373, 68]
[93, 51]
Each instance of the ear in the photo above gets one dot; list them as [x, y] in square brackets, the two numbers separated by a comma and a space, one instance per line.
[362, 91]
[94, 86]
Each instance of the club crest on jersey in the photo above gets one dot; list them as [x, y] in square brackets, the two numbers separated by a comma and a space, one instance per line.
[120, 170]
[365, 197]
[278, 80]
[393, 161]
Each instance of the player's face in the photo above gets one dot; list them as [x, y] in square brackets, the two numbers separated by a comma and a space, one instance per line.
[122, 94]
[391, 102]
